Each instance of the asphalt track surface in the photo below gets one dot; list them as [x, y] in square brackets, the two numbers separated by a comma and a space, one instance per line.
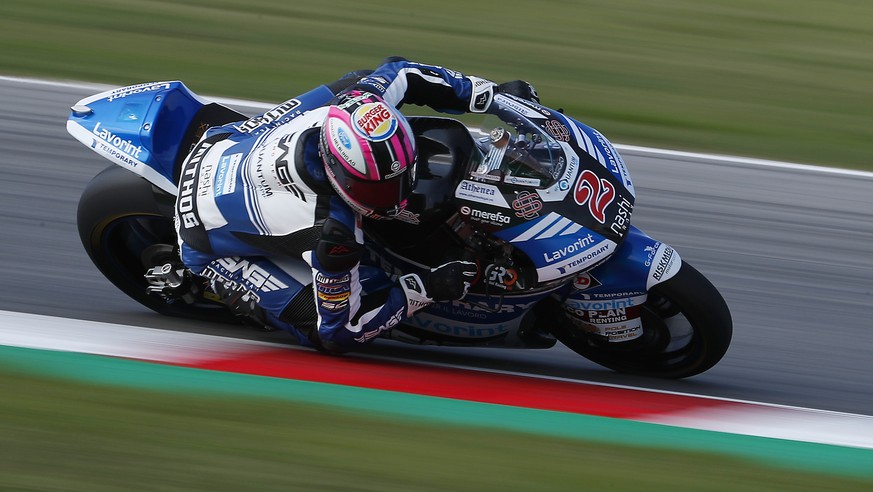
[790, 248]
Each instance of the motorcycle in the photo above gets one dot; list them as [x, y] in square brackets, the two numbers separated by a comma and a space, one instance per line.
[541, 201]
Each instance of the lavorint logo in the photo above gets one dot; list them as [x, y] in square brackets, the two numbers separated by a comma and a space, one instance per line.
[126, 146]
[579, 245]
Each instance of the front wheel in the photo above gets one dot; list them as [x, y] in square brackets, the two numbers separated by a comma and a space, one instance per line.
[687, 329]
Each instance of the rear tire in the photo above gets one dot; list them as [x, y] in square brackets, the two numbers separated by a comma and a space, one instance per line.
[126, 226]
[687, 329]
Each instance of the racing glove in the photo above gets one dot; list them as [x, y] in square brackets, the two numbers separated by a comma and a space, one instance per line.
[447, 282]
[520, 88]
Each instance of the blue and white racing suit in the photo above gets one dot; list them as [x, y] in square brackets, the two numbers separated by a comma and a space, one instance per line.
[256, 215]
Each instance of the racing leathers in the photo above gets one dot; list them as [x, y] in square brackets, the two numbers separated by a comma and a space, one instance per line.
[257, 216]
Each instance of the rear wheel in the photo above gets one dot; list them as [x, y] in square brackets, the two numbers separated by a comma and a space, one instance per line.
[126, 227]
[687, 329]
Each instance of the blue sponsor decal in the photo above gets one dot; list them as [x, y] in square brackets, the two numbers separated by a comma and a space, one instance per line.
[551, 239]
[344, 139]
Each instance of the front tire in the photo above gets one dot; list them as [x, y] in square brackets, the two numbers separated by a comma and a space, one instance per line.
[687, 329]
[126, 226]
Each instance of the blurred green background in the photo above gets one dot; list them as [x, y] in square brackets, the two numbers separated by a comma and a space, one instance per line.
[779, 79]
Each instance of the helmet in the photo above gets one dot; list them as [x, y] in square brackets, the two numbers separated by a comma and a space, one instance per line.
[369, 154]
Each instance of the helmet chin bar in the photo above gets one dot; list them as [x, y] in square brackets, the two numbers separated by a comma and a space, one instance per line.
[397, 212]
[357, 207]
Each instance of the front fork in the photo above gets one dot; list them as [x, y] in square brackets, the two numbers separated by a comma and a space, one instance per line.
[607, 300]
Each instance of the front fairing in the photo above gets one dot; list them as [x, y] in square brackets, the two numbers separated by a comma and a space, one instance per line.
[565, 202]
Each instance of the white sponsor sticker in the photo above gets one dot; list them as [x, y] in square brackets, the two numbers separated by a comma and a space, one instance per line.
[481, 193]
[665, 264]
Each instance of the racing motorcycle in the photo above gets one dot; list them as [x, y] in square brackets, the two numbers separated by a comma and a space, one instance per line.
[539, 200]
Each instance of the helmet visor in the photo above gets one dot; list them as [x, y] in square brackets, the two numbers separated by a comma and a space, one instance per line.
[380, 196]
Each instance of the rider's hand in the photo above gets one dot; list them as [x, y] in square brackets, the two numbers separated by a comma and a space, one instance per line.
[521, 89]
[450, 281]
[447, 282]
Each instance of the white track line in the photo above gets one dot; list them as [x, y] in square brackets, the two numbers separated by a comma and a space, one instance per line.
[630, 149]
[727, 159]
[134, 342]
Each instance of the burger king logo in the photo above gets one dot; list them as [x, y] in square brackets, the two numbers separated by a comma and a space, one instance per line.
[374, 121]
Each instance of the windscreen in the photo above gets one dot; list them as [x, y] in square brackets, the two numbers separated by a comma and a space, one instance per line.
[517, 151]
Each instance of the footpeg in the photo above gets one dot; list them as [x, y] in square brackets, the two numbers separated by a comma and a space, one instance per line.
[171, 283]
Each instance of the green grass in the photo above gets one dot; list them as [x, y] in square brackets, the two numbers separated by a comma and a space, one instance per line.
[70, 436]
[776, 79]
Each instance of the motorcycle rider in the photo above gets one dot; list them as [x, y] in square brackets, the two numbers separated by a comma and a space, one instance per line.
[270, 209]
